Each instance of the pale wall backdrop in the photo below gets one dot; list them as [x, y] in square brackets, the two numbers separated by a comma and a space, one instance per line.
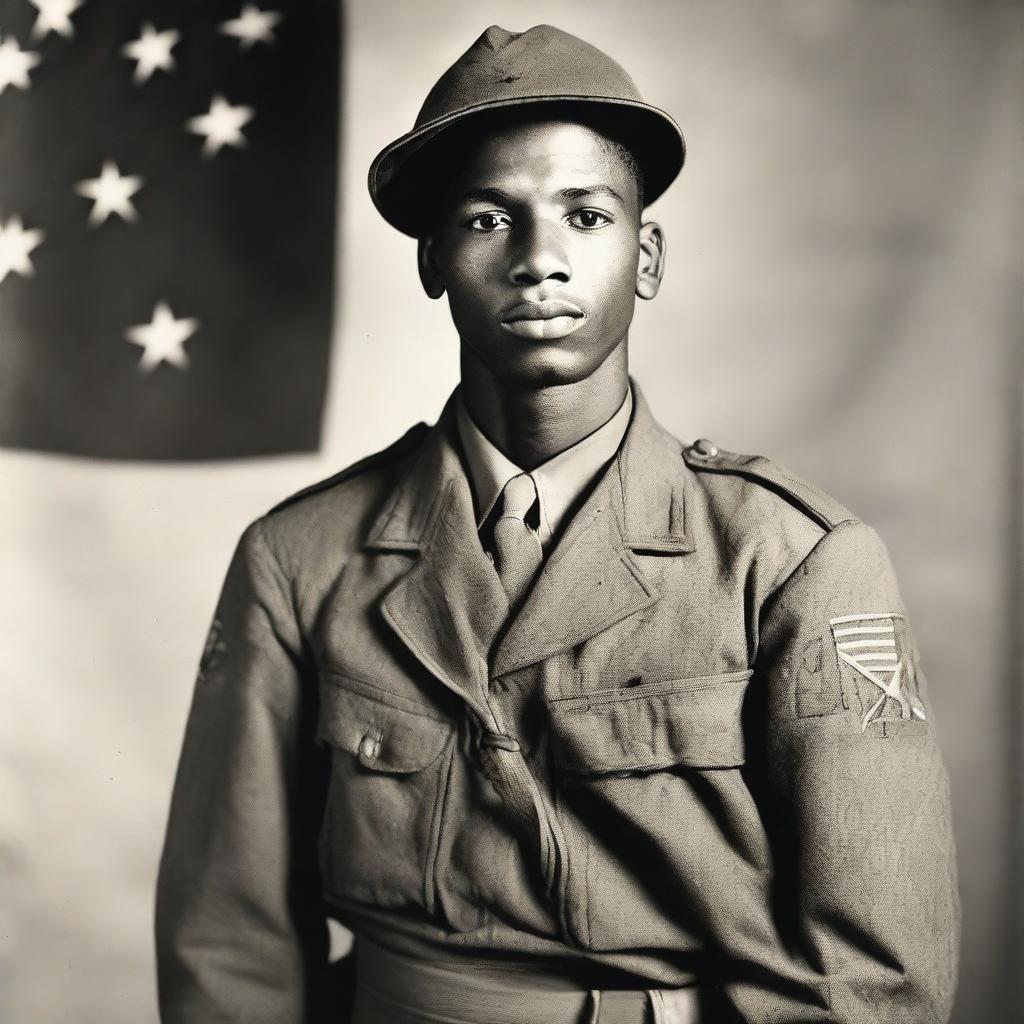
[842, 293]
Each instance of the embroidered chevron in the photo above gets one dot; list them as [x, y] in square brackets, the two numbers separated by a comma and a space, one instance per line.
[867, 643]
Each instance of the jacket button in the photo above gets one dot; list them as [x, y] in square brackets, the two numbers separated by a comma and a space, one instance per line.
[704, 448]
[369, 746]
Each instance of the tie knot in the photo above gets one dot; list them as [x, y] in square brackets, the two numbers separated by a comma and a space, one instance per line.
[518, 495]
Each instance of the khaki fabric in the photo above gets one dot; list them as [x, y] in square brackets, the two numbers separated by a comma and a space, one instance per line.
[658, 771]
[393, 989]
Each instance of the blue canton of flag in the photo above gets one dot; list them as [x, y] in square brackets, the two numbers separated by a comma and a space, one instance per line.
[167, 223]
[867, 643]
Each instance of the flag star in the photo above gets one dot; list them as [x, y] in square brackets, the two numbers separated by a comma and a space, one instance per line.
[54, 16]
[111, 193]
[252, 26]
[151, 51]
[15, 63]
[15, 245]
[162, 339]
[222, 125]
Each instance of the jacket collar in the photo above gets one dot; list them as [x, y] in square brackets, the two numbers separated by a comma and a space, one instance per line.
[655, 486]
[449, 608]
[652, 481]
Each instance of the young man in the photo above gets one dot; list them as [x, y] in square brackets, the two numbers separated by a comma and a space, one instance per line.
[565, 720]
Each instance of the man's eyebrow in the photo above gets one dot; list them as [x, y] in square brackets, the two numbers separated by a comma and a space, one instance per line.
[591, 190]
[486, 195]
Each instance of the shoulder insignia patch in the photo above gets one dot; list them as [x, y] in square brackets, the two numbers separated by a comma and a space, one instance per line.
[412, 435]
[213, 650]
[873, 645]
[703, 456]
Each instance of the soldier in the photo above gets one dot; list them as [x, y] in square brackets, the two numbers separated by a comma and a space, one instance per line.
[565, 720]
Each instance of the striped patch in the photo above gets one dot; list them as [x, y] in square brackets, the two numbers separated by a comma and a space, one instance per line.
[867, 643]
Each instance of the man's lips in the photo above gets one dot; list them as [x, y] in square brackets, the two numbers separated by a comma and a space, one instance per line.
[549, 319]
[547, 309]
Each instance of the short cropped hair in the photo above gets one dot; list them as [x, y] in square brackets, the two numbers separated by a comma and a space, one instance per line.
[628, 157]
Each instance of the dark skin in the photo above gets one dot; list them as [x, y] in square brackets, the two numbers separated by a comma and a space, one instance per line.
[542, 252]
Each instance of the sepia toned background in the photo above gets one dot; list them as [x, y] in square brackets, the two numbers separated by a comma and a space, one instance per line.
[842, 293]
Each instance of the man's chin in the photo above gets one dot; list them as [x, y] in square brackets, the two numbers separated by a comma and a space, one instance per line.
[549, 369]
[533, 365]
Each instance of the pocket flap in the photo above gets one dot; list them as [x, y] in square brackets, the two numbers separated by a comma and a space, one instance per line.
[693, 722]
[385, 731]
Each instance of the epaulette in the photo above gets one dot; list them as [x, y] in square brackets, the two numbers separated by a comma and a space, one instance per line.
[407, 440]
[703, 456]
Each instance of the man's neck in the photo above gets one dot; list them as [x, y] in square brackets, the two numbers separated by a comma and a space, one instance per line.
[531, 426]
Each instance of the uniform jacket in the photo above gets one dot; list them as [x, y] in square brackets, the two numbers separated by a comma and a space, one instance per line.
[669, 761]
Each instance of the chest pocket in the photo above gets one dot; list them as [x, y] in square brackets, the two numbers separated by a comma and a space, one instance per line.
[385, 731]
[651, 805]
[694, 722]
[389, 768]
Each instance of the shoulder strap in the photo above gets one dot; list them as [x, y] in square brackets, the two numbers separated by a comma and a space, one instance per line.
[393, 451]
[703, 456]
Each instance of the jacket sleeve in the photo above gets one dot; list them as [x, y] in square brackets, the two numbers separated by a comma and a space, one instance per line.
[239, 928]
[857, 799]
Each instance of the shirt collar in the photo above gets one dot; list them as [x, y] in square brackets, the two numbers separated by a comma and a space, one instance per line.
[561, 481]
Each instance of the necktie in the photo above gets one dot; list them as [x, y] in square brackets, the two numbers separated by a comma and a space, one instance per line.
[517, 551]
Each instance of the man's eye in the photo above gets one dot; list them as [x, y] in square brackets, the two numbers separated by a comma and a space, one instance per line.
[589, 219]
[492, 221]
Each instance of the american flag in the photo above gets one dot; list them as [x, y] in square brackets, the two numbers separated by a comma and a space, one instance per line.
[867, 643]
[167, 220]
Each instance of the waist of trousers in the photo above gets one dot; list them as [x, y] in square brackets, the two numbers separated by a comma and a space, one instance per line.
[394, 989]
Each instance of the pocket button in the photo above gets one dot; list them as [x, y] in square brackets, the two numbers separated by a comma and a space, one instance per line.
[369, 747]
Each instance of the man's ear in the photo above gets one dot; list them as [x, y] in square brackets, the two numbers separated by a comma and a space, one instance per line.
[651, 265]
[430, 276]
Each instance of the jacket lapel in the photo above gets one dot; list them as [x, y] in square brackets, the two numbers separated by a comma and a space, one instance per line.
[450, 604]
[593, 578]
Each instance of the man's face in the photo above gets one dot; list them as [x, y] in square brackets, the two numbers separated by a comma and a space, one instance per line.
[538, 249]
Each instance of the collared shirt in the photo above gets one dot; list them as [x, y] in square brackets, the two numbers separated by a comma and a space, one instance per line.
[561, 481]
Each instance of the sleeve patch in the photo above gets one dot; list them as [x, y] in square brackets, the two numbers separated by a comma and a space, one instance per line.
[873, 646]
[213, 650]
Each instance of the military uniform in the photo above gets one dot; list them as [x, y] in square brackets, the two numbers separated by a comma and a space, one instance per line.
[670, 765]
[694, 760]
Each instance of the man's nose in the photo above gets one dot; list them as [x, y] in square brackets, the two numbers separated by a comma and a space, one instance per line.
[539, 256]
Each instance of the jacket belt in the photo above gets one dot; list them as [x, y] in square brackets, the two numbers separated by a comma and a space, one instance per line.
[393, 989]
